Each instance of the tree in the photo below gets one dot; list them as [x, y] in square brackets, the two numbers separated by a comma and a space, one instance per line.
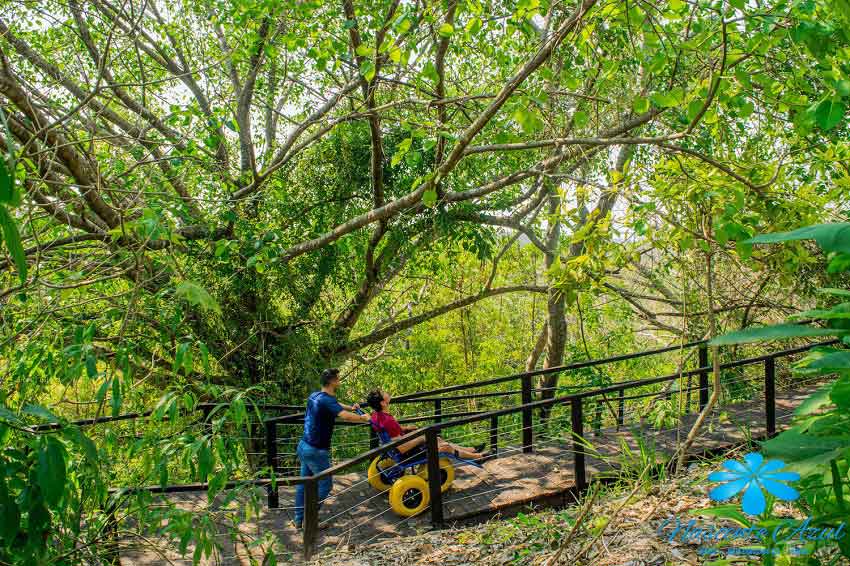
[255, 160]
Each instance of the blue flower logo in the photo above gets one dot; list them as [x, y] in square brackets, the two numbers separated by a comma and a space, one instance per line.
[752, 475]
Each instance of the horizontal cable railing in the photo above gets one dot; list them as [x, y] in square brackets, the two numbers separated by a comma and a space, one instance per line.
[453, 412]
[577, 418]
[548, 371]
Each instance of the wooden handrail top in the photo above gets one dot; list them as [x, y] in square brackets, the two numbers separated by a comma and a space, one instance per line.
[575, 397]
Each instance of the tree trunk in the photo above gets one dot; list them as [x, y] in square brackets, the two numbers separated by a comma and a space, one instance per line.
[556, 323]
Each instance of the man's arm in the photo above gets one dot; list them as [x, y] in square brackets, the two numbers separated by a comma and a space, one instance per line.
[352, 417]
[352, 408]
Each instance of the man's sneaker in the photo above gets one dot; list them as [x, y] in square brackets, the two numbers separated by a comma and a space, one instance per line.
[295, 525]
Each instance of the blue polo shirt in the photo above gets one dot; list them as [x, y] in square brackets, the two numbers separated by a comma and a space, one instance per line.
[319, 419]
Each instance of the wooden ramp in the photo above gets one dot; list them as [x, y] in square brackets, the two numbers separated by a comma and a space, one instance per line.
[355, 514]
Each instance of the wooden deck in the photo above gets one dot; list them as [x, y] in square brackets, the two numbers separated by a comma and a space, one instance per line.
[356, 514]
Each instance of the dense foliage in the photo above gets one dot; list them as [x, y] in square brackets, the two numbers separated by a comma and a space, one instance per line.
[817, 446]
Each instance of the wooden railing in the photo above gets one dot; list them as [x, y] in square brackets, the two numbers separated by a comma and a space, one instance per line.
[575, 401]
[526, 409]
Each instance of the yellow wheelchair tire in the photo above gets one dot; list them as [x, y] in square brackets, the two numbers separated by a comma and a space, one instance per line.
[374, 475]
[409, 496]
[447, 473]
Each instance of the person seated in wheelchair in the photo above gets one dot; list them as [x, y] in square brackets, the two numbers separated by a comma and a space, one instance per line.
[382, 420]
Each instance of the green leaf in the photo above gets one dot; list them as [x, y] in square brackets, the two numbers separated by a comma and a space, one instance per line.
[824, 314]
[116, 397]
[205, 356]
[446, 30]
[101, 392]
[367, 70]
[8, 415]
[668, 99]
[836, 292]
[662, 100]
[85, 443]
[217, 483]
[10, 515]
[814, 402]
[830, 237]
[527, 119]
[363, 50]
[694, 108]
[429, 71]
[205, 461]
[776, 332]
[429, 198]
[7, 183]
[640, 105]
[840, 393]
[40, 412]
[91, 365]
[794, 446]
[581, 118]
[51, 470]
[829, 113]
[164, 405]
[473, 26]
[13, 242]
[179, 355]
[745, 109]
[194, 294]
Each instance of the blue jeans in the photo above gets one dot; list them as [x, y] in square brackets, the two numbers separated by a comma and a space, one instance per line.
[313, 460]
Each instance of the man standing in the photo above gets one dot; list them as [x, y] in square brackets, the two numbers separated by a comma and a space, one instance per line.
[314, 448]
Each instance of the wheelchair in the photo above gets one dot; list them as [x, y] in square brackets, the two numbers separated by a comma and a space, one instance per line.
[406, 476]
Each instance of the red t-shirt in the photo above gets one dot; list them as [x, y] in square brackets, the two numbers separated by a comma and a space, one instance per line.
[385, 421]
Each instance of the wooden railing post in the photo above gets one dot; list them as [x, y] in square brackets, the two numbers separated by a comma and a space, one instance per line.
[597, 418]
[311, 516]
[271, 462]
[621, 413]
[494, 434]
[770, 396]
[527, 436]
[373, 439]
[577, 429]
[434, 478]
[703, 376]
[438, 410]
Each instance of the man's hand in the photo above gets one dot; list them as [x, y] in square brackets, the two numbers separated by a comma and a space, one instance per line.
[355, 407]
[353, 417]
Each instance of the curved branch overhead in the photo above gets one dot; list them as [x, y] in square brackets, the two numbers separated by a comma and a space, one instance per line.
[304, 163]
